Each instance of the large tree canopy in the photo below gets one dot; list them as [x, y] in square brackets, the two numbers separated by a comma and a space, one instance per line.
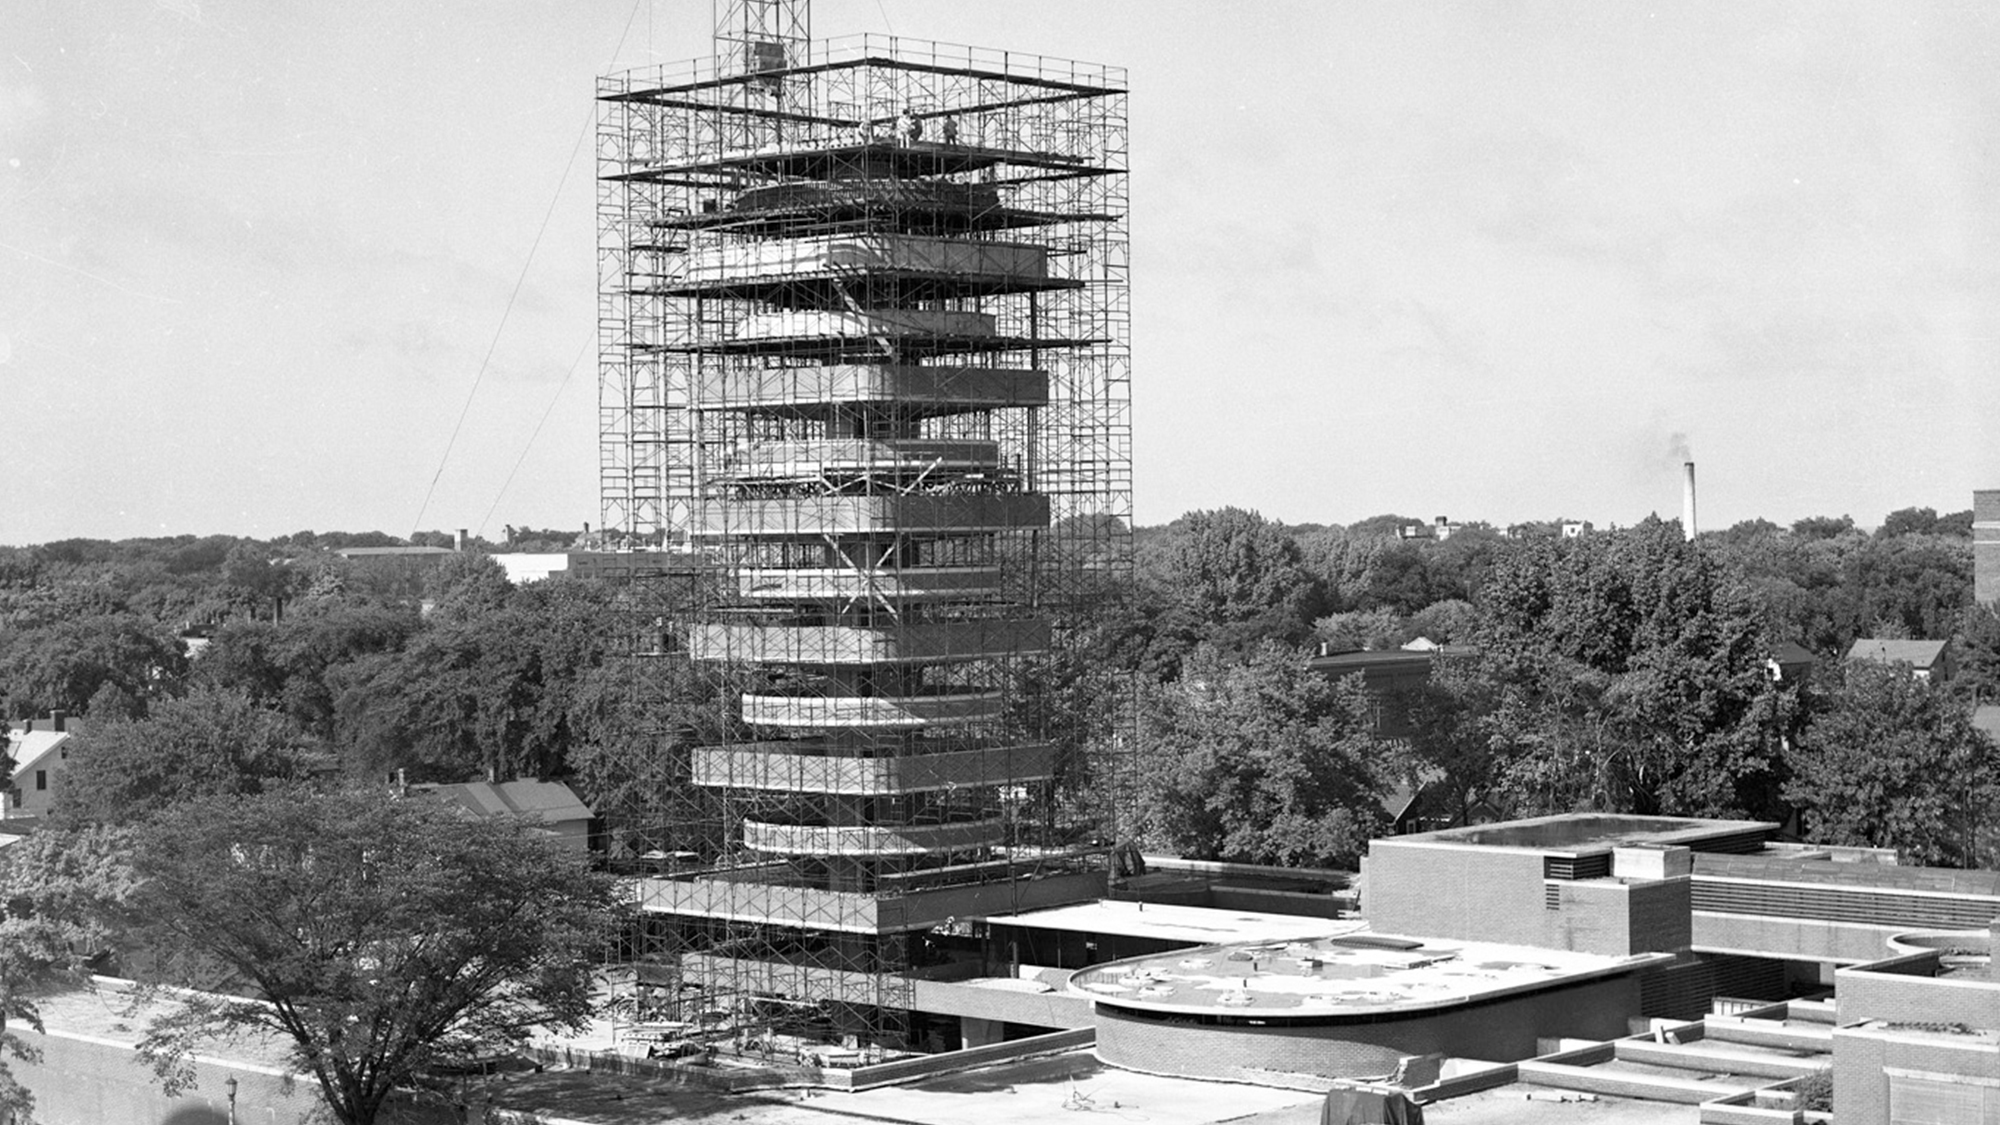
[56, 890]
[1893, 762]
[124, 770]
[1629, 670]
[378, 937]
[1259, 760]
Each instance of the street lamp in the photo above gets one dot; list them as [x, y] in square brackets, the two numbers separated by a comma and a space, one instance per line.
[229, 1084]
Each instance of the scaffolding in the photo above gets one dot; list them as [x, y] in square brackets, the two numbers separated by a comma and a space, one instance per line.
[864, 367]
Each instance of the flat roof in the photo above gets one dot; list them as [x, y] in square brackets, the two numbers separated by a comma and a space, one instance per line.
[1199, 924]
[1332, 976]
[1571, 832]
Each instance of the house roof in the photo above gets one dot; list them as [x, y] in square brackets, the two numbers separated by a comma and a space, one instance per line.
[1919, 654]
[33, 748]
[1986, 717]
[533, 800]
[388, 552]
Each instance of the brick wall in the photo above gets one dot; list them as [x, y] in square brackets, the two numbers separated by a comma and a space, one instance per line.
[1468, 893]
[1902, 990]
[1863, 1061]
[1792, 939]
[1035, 1009]
[1986, 544]
[1500, 895]
[1862, 994]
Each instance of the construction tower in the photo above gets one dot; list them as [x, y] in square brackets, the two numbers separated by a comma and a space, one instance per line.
[865, 366]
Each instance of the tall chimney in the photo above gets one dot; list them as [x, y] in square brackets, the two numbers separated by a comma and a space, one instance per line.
[458, 540]
[1687, 501]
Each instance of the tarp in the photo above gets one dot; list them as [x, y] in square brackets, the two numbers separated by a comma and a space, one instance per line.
[1363, 1105]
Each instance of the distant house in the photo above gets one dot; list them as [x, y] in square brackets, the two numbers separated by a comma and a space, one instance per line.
[1789, 663]
[363, 554]
[547, 805]
[1928, 660]
[1385, 675]
[38, 750]
[1429, 808]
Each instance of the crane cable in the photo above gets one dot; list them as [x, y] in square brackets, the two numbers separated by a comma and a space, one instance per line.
[519, 282]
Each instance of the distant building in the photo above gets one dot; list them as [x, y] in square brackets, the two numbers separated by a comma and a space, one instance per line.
[1788, 663]
[1928, 660]
[522, 566]
[1385, 675]
[39, 750]
[547, 805]
[1916, 1031]
[1439, 529]
[1986, 545]
[370, 553]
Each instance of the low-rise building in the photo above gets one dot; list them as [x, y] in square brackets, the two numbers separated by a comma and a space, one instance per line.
[1928, 660]
[38, 750]
[548, 805]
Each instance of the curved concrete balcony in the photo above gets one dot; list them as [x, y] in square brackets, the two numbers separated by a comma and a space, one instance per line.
[925, 390]
[732, 265]
[926, 194]
[880, 712]
[792, 767]
[938, 642]
[871, 839]
[811, 518]
[811, 460]
[795, 324]
[910, 584]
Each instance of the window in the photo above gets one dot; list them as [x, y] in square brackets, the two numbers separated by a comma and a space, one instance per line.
[41, 779]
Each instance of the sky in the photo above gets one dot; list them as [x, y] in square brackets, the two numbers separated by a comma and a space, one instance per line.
[1497, 261]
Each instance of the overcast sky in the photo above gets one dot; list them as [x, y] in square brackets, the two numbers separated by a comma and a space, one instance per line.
[1494, 261]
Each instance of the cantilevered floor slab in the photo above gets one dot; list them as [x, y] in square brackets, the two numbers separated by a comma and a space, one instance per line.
[920, 390]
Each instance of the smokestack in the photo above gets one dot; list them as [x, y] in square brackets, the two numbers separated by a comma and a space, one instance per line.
[458, 541]
[1687, 501]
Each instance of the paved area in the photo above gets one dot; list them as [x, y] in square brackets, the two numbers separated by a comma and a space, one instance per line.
[1037, 1092]
[1509, 1105]
[1063, 1089]
[1067, 1089]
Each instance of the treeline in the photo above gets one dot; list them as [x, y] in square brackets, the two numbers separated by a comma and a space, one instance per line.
[307, 663]
[1624, 670]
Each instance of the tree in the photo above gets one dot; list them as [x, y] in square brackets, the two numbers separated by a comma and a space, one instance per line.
[1362, 630]
[1449, 744]
[379, 938]
[1977, 652]
[1260, 760]
[1822, 527]
[1382, 526]
[1908, 521]
[213, 741]
[1628, 676]
[1236, 578]
[486, 684]
[1890, 762]
[53, 889]
[64, 664]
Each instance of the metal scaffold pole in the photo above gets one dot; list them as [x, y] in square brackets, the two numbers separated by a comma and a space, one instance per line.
[865, 377]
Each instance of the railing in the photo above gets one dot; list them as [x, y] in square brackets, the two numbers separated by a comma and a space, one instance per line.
[780, 767]
[871, 839]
